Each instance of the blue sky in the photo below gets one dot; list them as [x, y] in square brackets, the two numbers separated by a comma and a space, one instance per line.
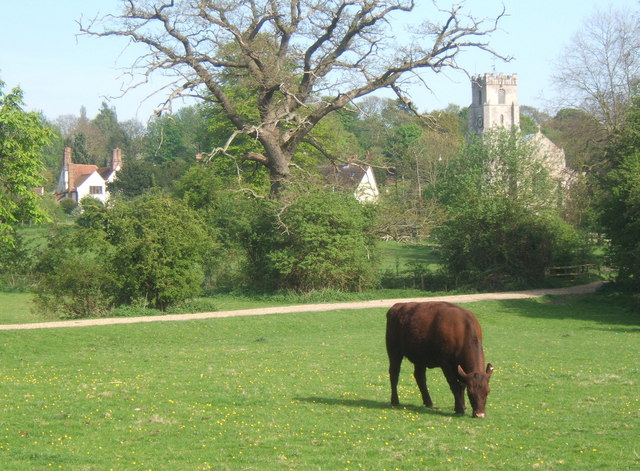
[60, 72]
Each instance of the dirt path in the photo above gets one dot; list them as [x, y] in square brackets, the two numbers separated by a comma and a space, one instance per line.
[380, 303]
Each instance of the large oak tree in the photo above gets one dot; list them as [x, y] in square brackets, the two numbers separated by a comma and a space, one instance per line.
[278, 67]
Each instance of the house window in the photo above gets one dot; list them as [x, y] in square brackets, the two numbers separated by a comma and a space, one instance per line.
[501, 96]
[95, 190]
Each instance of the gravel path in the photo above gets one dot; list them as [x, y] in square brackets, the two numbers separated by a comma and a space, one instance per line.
[380, 303]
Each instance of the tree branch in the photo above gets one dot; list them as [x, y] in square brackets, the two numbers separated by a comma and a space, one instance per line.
[278, 67]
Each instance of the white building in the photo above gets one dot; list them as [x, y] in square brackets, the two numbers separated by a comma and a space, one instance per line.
[79, 180]
[352, 177]
[494, 103]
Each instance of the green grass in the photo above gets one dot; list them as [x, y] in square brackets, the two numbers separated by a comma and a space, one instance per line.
[35, 236]
[396, 256]
[310, 391]
[15, 308]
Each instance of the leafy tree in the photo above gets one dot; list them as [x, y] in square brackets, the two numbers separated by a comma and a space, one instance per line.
[166, 174]
[503, 228]
[93, 140]
[582, 137]
[620, 205]
[319, 241]
[621, 219]
[137, 177]
[89, 142]
[499, 163]
[23, 136]
[80, 152]
[578, 205]
[527, 125]
[400, 140]
[107, 121]
[332, 140]
[410, 152]
[227, 155]
[500, 244]
[372, 124]
[133, 179]
[267, 64]
[532, 115]
[451, 121]
[427, 155]
[134, 140]
[166, 140]
[233, 211]
[199, 187]
[51, 154]
[68, 205]
[16, 264]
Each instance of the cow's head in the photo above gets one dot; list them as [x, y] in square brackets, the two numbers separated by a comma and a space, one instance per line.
[477, 389]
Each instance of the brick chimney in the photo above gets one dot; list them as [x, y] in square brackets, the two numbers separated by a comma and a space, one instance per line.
[66, 169]
[116, 159]
[66, 159]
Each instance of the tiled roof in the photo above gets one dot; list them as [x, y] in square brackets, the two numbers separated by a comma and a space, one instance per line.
[346, 176]
[78, 173]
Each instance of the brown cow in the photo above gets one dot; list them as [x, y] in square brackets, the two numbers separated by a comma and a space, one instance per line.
[439, 334]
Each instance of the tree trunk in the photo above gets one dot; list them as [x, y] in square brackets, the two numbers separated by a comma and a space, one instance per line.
[277, 160]
[279, 176]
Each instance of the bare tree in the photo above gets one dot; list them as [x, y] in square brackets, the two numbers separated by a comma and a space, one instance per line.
[277, 67]
[599, 71]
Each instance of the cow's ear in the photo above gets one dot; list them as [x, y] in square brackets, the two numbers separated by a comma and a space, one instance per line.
[461, 372]
[489, 369]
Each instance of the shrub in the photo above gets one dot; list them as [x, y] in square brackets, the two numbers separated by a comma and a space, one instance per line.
[148, 252]
[232, 213]
[319, 241]
[508, 247]
[73, 280]
[159, 249]
[504, 228]
[16, 265]
[68, 205]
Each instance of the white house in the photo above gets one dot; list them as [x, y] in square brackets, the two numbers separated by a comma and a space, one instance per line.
[356, 178]
[79, 180]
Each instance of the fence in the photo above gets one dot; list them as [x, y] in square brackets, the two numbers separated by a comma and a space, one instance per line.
[571, 270]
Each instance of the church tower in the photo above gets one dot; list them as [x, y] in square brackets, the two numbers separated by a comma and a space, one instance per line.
[494, 102]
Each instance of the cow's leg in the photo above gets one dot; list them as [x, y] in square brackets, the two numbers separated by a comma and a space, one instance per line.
[394, 373]
[420, 374]
[457, 388]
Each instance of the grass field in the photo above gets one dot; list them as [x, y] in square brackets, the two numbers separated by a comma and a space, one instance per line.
[16, 308]
[397, 255]
[310, 391]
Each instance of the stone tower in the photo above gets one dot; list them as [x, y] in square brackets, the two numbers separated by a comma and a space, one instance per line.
[494, 102]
